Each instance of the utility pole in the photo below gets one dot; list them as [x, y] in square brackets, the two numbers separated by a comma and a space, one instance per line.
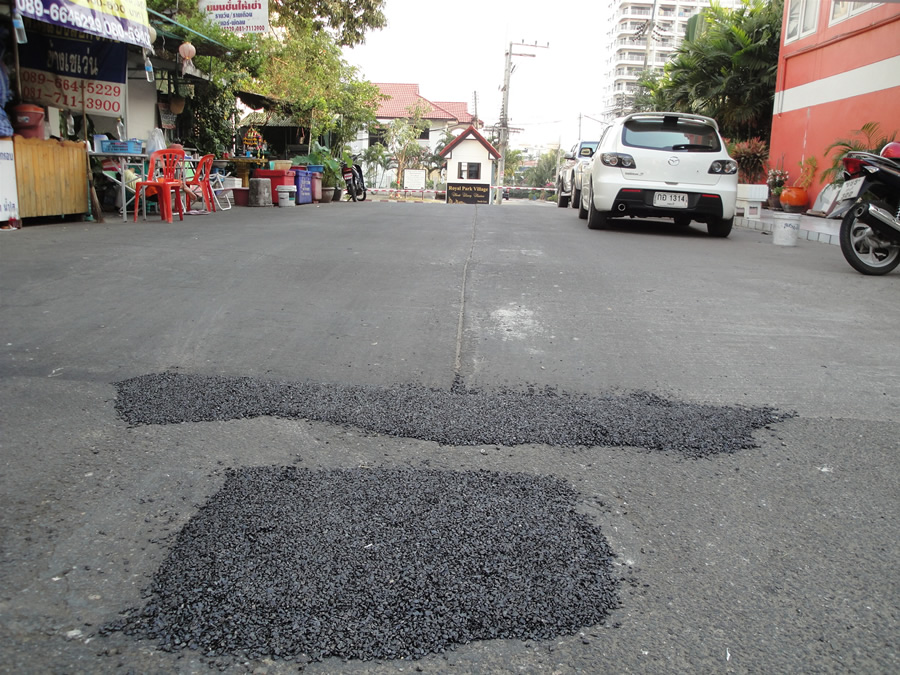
[504, 112]
[648, 32]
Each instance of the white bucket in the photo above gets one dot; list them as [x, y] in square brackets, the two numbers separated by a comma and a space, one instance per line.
[785, 229]
[287, 195]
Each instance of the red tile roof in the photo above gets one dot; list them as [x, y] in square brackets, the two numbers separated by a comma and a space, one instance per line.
[402, 97]
[471, 131]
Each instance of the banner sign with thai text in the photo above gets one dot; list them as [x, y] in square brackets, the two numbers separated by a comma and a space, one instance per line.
[119, 20]
[238, 16]
[69, 70]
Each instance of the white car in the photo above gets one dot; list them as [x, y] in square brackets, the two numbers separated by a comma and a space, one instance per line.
[661, 164]
[568, 181]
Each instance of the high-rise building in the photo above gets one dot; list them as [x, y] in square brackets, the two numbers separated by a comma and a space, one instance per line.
[642, 35]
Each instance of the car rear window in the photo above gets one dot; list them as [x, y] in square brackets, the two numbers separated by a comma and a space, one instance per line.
[671, 133]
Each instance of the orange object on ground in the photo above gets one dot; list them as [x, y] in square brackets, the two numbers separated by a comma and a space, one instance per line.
[162, 180]
[201, 180]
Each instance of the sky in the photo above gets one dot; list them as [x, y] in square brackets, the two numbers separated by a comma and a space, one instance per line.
[454, 51]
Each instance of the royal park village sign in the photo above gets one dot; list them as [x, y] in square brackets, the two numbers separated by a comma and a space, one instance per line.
[238, 16]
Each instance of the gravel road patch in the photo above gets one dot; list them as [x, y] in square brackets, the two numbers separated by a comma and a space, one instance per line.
[301, 564]
[452, 417]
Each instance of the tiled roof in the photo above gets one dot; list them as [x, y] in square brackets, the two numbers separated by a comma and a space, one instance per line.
[471, 131]
[459, 110]
[402, 97]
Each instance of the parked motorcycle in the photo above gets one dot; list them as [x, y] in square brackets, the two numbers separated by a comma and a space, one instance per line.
[353, 177]
[869, 205]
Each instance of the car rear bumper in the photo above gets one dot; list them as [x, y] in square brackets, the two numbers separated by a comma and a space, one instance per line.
[639, 202]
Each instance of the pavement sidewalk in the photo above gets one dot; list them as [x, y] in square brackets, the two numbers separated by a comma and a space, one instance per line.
[812, 228]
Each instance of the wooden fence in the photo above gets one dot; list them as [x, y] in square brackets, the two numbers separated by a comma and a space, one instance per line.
[51, 177]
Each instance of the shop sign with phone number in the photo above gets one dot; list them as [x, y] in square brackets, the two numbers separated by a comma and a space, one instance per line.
[120, 20]
[73, 73]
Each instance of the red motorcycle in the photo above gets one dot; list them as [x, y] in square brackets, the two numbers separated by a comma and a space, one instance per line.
[869, 205]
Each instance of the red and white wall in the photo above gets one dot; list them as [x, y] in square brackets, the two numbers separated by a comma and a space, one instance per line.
[834, 76]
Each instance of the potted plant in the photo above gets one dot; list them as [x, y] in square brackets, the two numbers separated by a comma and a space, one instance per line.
[795, 198]
[775, 179]
[329, 183]
[319, 155]
[751, 157]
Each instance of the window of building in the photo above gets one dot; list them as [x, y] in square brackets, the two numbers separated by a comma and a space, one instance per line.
[377, 135]
[469, 171]
[425, 134]
[802, 15]
[844, 10]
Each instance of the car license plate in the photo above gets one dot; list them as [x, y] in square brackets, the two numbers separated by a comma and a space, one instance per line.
[850, 189]
[670, 200]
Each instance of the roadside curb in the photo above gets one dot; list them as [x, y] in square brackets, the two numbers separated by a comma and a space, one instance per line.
[812, 228]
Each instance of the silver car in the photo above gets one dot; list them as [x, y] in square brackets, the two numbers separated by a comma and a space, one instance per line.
[568, 180]
[661, 164]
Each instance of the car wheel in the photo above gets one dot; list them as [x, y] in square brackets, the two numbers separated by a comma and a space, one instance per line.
[719, 227]
[576, 197]
[597, 220]
[682, 221]
[582, 212]
[562, 201]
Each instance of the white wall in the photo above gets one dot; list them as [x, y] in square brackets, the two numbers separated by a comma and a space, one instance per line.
[469, 150]
[141, 115]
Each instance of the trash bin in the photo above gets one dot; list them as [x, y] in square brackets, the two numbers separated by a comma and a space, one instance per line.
[303, 183]
[287, 195]
[316, 186]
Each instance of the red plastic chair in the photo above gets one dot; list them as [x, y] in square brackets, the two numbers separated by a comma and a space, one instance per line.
[162, 179]
[201, 180]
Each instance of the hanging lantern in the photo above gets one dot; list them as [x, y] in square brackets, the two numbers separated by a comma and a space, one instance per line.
[187, 51]
[176, 104]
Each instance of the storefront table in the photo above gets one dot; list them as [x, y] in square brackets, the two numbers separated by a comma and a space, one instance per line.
[242, 166]
[124, 160]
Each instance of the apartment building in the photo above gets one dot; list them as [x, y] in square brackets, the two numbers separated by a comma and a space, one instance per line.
[642, 35]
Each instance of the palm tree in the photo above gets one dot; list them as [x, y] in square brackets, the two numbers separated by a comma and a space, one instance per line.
[727, 72]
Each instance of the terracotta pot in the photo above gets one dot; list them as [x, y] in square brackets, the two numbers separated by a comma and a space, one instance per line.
[773, 203]
[794, 199]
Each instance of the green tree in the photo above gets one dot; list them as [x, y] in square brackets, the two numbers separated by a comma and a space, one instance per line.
[727, 72]
[301, 65]
[376, 157]
[544, 171]
[402, 139]
[514, 159]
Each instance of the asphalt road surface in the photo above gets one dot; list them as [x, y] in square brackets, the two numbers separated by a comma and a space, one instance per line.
[778, 558]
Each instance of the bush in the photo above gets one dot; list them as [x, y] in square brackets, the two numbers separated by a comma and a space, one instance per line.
[751, 157]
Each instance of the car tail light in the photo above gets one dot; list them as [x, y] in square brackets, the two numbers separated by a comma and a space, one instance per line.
[852, 165]
[723, 166]
[618, 159]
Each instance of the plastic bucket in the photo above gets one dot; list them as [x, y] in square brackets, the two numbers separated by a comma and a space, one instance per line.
[28, 120]
[785, 229]
[287, 195]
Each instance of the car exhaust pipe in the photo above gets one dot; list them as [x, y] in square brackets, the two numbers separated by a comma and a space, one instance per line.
[622, 207]
[884, 216]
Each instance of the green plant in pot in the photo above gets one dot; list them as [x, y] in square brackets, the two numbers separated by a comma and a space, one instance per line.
[775, 179]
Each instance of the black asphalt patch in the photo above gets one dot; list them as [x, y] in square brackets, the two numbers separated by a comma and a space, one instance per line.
[452, 417]
[302, 564]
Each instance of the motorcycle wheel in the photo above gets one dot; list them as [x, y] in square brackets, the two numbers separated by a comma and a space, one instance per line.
[863, 248]
[362, 195]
